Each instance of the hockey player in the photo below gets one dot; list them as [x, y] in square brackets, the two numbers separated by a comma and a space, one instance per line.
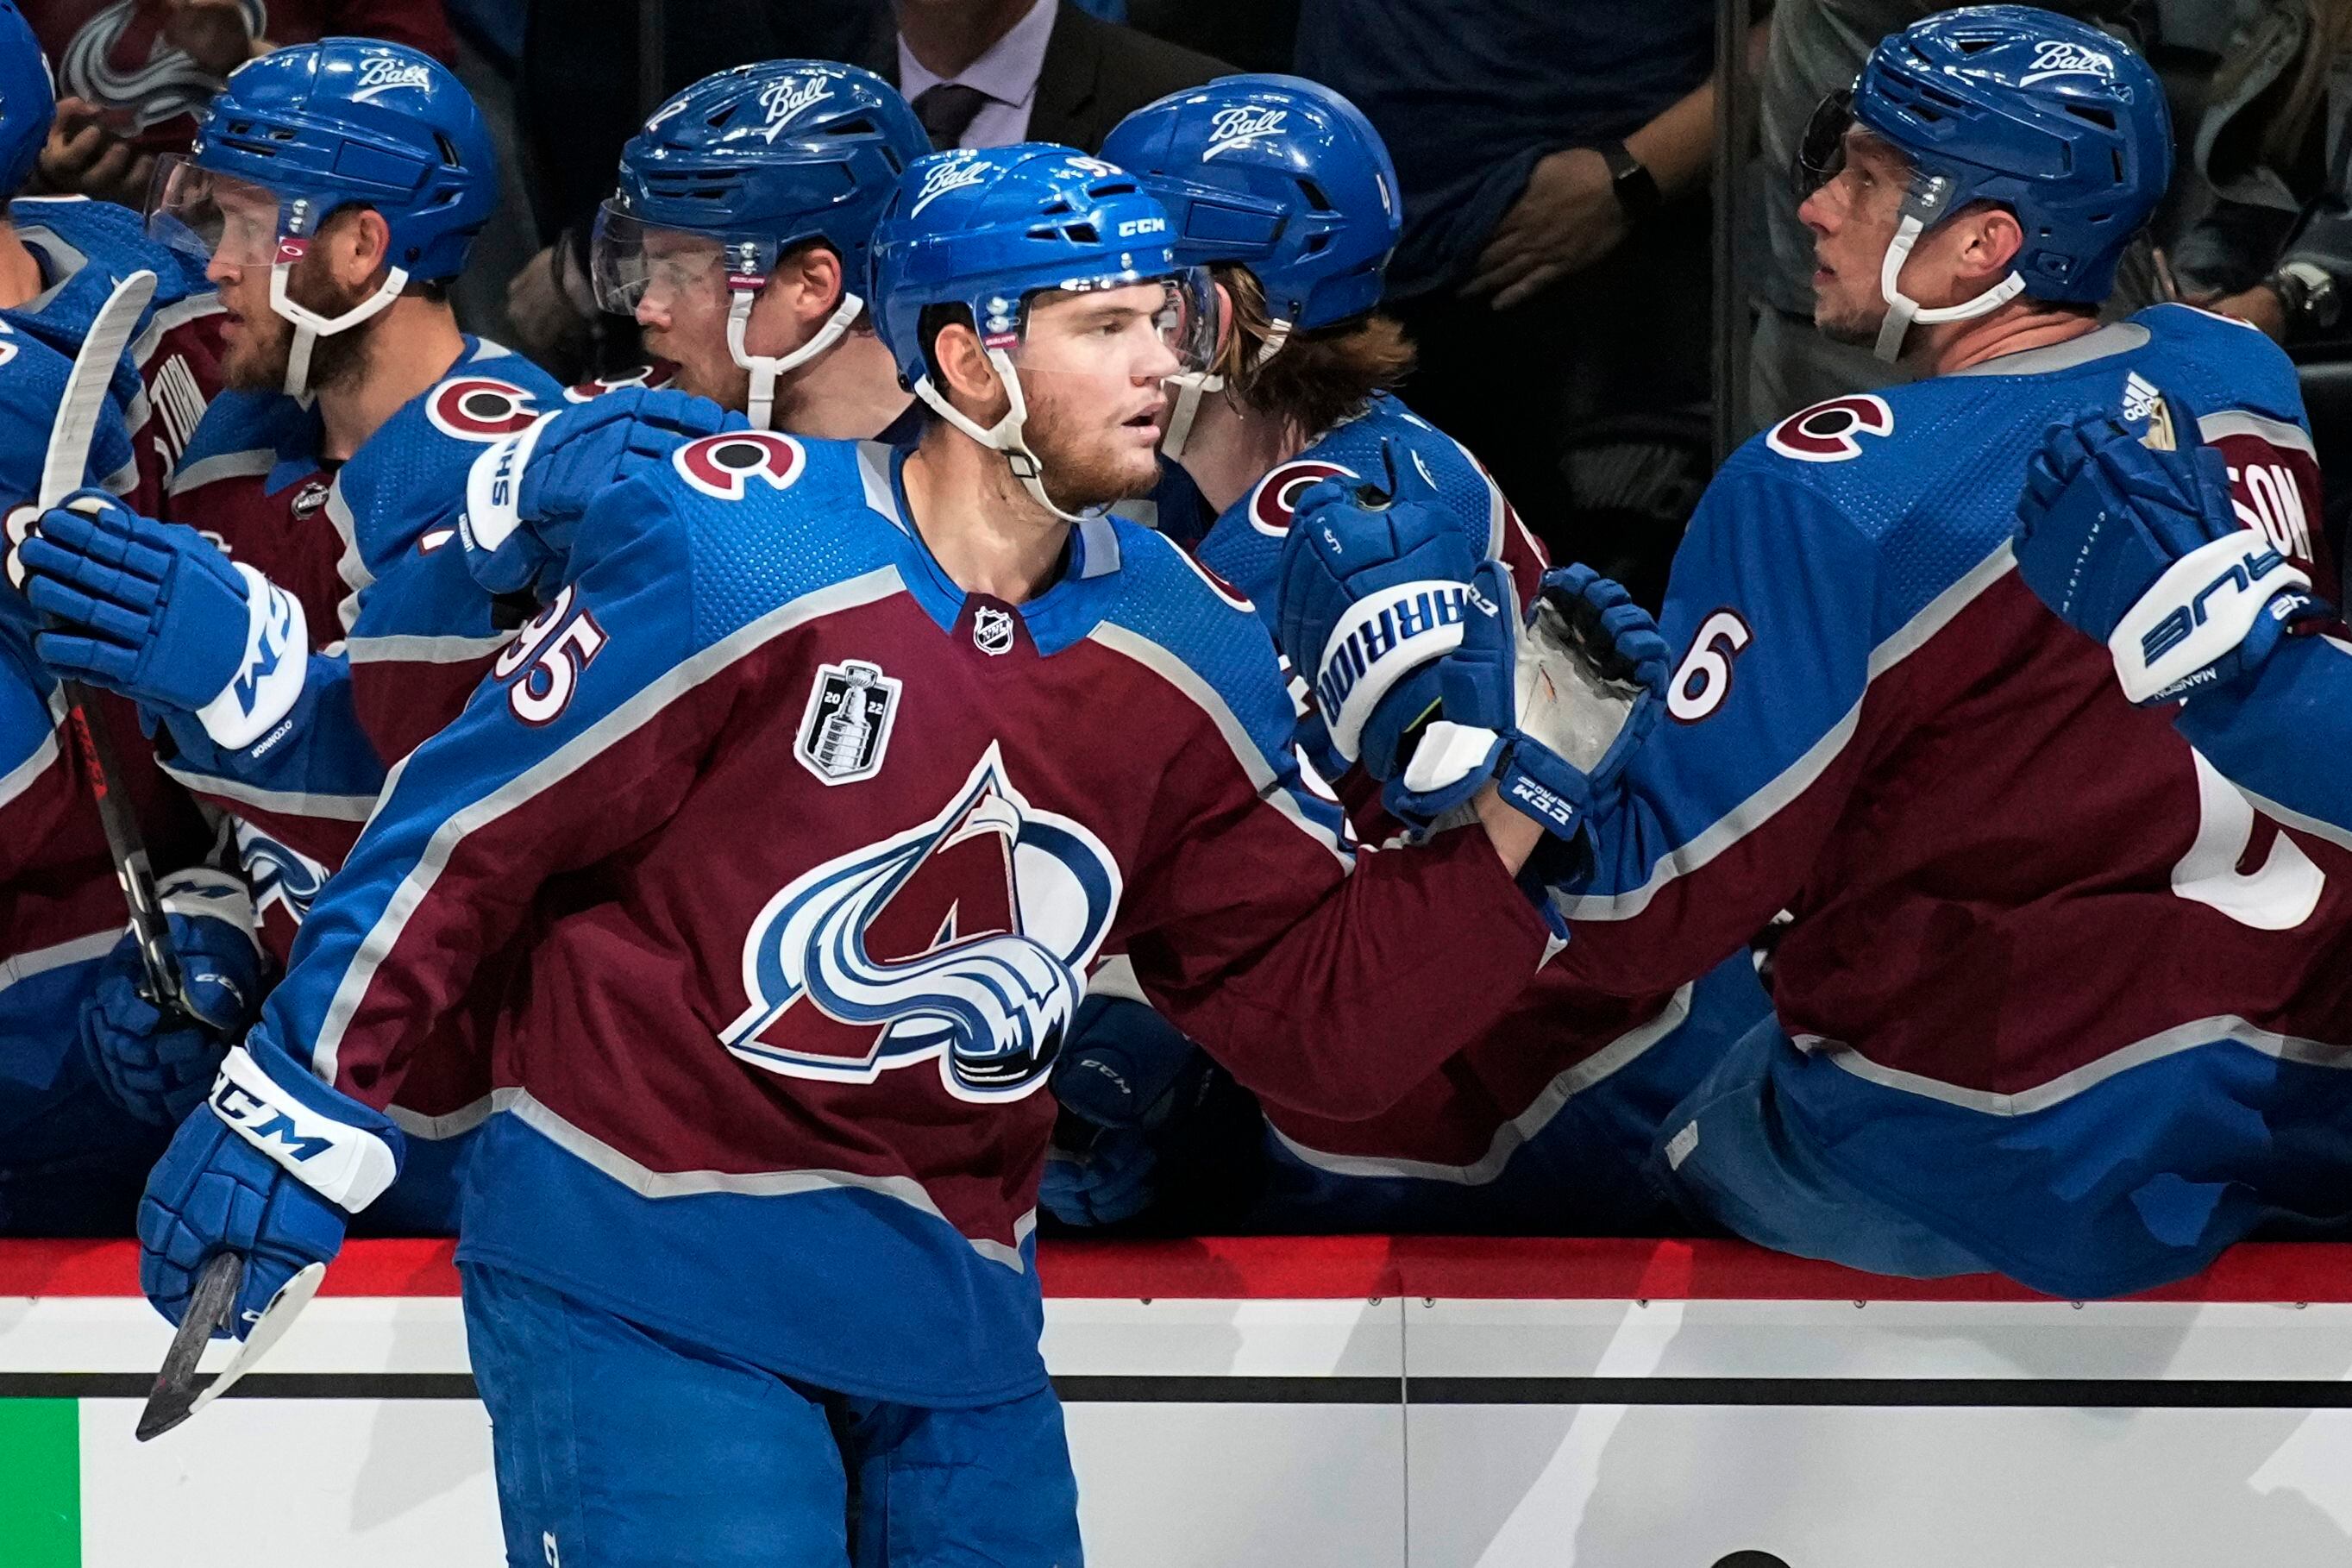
[80, 1121]
[813, 793]
[333, 189]
[1286, 193]
[2054, 999]
[2197, 597]
[737, 234]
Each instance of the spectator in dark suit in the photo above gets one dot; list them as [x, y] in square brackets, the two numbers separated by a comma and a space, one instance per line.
[982, 73]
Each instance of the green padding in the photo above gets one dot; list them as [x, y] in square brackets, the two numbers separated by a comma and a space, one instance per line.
[41, 1483]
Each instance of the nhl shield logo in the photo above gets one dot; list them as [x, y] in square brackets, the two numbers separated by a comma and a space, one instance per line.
[991, 629]
[847, 726]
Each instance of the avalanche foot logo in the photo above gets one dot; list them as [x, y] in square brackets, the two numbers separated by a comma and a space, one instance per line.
[962, 940]
[281, 876]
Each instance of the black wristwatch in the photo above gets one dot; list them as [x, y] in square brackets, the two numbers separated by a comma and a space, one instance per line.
[1630, 178]
[2309, 298]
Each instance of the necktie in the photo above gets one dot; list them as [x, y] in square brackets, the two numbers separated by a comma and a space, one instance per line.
[947, 111]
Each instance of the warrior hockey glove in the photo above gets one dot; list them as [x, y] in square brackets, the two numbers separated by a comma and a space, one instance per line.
[1549, 708]
[1372, 596]
[272, 1166]
[2140, 548]
[525, 496]
[158, 1063]
[158, 613]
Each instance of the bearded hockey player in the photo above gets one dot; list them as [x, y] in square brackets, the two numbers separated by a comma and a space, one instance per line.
[814, 795]
[307, 617]
[92, 1076]
[1286, 193]
[2185, 570]
[738, 235]
[2054, 999]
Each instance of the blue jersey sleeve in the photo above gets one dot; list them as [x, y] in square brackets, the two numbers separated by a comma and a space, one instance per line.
[2282, 737]
[588, 735]
[1773, 611]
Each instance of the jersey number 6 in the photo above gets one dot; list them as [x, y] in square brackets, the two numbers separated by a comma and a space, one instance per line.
[551, 660]
[1704, 680]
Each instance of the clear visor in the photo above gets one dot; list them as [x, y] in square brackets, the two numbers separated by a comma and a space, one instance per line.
[630, 260]
[213, 217]
[1121, 328]
[1821, 150]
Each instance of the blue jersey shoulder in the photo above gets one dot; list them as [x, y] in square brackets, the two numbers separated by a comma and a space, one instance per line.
[1164, 597]
[410, 476]
[2216, 363]
[765, 519]
[1245, 545]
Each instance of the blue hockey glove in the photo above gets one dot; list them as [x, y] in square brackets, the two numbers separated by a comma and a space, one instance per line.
[1549, 708]
[1126, 1075]
[2140, 548]
[272, 1166]
[525, 496]
[158, 1064]
[1372, 596]
[158, 613]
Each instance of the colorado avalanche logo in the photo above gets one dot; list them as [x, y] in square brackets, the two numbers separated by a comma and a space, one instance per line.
[1277, 496]
[1827, 432]
[722, 466]
[477, 409]
[280, 876]
[963, 939]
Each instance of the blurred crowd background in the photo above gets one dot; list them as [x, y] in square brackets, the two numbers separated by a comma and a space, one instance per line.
[1599, 340]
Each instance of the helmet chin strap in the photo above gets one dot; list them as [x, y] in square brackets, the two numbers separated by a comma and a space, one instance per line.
[1192, 385]
[1902, 311]
[308, 325]
[1005, 435]
[766, 368]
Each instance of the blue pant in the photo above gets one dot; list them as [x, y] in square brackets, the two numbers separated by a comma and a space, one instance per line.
[2141, 1178]
[620, 1447]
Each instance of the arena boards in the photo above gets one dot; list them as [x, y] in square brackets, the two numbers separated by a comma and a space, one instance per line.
[1354, 1403]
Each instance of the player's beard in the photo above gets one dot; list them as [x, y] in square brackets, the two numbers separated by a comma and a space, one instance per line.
[257, 361]
[1085, 463]
[1856, 326]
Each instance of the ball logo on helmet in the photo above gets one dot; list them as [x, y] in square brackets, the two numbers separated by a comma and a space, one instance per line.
[784, 98]
[383, 73]
[1243, 125]
[2062, 57]
[952, 172]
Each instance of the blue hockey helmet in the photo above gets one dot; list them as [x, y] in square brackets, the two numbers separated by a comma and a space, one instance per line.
[990, 230]
[754, 161]
[2060, 123]
[301, 132]
[1278, 174]
[28, 99]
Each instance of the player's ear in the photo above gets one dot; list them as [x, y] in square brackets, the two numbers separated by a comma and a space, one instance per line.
[1224, 322]
[820, 284]
[970, 381]
[1994, 240]
[367, 244]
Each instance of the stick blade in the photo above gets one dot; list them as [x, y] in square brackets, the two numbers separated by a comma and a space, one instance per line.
[174, 1398]
[84, 403]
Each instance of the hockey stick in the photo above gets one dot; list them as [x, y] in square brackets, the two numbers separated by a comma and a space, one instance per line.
[61, 474]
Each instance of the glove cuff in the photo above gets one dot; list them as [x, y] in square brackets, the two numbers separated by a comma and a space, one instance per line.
[270, 677]
[494, 491]
[2202, 608]
[348, 1166]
